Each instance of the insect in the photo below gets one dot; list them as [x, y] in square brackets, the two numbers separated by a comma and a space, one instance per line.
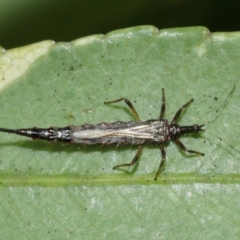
[155, 131]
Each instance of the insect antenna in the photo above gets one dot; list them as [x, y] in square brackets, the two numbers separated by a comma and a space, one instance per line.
[219, 138]
[221, 107]
[217, 113]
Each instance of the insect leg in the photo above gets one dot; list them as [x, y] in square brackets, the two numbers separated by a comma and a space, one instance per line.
[129, 105]
[163, 105]
[178, 113]
[162, 161]
[135, 159]
[180, 144]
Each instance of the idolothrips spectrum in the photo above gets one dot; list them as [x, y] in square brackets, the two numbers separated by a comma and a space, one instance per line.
[155, 131]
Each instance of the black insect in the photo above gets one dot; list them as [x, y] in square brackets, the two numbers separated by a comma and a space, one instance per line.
[157, 131]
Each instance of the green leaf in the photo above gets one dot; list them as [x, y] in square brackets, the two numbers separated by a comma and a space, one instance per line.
[51, 191]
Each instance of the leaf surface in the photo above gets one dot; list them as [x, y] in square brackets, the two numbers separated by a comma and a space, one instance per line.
[60, 192]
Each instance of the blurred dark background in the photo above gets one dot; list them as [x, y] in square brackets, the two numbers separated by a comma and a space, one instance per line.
[27, 21]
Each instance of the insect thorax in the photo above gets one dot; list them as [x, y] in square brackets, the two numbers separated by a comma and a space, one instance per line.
[160, 130]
